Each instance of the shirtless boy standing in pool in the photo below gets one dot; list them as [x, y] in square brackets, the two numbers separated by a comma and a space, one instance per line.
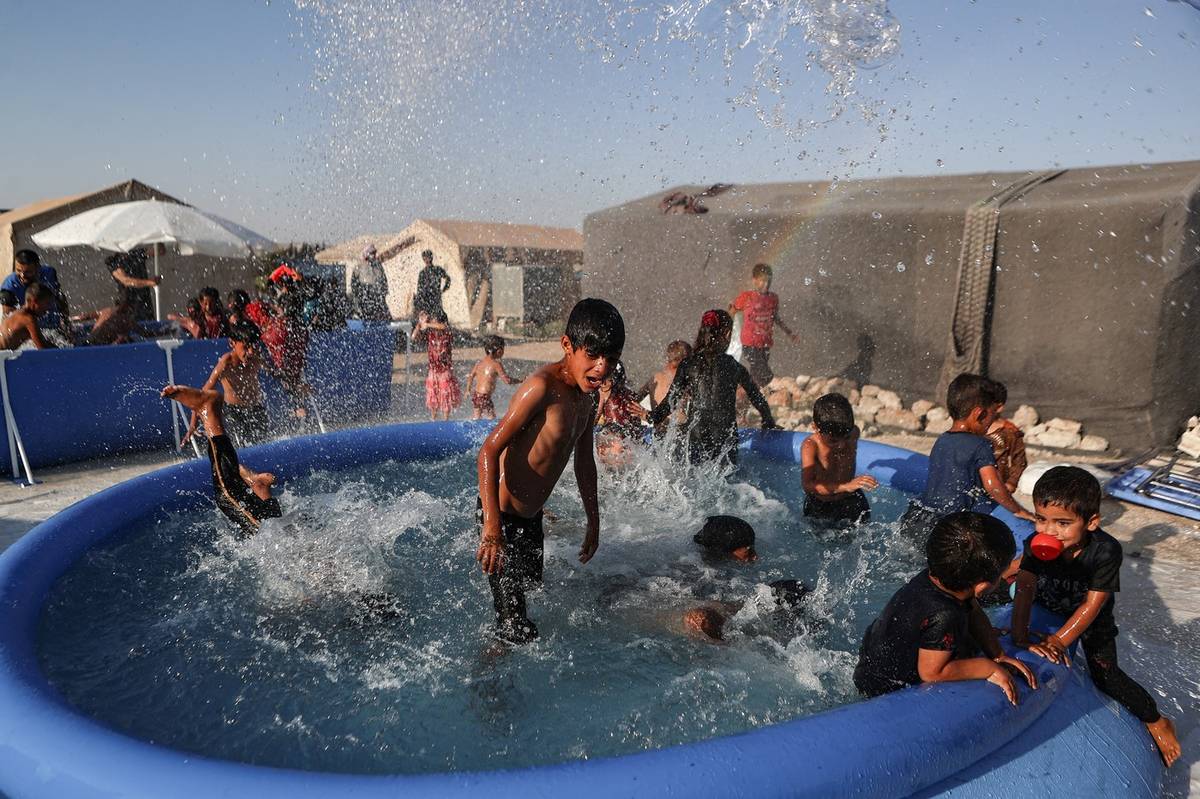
[548, 420]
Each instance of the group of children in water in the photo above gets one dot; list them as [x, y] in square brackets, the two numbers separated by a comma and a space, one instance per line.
[932, 630]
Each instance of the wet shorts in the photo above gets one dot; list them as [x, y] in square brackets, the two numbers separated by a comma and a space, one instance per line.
[852, 508]
[235, 499]
[483, 403]
[248, 424]
[524, 545]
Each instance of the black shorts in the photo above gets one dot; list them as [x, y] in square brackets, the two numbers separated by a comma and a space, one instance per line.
[852, 508]
[248, 424]
[757, 365]
[524, 547]
[235, 499]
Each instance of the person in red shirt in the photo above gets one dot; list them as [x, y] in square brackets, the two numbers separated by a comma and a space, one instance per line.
[760, 309]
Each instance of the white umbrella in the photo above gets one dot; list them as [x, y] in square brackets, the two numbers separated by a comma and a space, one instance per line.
[122, 227]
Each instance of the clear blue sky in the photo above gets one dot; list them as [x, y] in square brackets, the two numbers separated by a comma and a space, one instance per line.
[306, 123]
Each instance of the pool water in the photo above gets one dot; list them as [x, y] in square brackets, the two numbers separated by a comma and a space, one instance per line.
[259, 651]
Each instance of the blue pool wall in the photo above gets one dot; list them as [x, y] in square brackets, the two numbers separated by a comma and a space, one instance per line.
[957, 739]
[90, 402]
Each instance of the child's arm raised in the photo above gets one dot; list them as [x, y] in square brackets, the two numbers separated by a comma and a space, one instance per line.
[990, 476]
[585, 476]
[527, 403]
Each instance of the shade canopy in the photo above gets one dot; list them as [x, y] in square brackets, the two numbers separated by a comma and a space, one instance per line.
[122, 227]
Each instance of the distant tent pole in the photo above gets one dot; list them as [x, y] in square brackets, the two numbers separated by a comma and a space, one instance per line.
[157, 303]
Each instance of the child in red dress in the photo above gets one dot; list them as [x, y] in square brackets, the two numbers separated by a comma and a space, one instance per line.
[442, 393]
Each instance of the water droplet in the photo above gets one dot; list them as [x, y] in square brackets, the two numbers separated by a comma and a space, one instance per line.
[1149, 13]
[900, 267]
[822, 273]
[808, 281]
[940, 163]
[876, 215]
[929, 259]
[1035, 247]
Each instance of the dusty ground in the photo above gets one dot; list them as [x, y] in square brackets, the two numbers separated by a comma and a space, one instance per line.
[1158, 608]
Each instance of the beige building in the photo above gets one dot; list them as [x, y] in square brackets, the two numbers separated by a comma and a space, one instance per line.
[468, 251]
[81, 270]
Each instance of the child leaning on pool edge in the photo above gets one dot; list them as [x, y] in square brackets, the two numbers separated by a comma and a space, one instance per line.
[930, 628]
[549, 418]
[1079, 584]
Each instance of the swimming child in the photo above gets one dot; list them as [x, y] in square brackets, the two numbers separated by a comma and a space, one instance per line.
[549, 418]
[1008, 443]
[617, 407]
[442, 394]
[760, 309]
[237, 371]
[710, 378]
[1079, 584]
[20, 326]
[707, 622]
[243, 495]
[484, 375]
[832, 491]
[727, 537]
[962, 469]
[931, 628]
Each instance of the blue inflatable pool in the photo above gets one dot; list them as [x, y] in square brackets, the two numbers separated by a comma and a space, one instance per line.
[964, 739]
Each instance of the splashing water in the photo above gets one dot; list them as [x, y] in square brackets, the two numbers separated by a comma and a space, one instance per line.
[282, 654]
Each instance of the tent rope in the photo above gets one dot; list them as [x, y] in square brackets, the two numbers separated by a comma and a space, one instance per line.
[970, 327]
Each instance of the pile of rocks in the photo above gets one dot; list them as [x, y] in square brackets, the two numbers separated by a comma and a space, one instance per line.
[1189, 442]
[791, 400]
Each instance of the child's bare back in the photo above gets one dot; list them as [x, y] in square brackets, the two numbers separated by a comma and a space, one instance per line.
[834, 460]
[17, 328]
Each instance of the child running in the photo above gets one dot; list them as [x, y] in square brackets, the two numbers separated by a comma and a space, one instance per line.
[442, 394]
[21, 326]
[1079, 584]
[930, 628]
[656, 387]
[483, 375]
[711, 379]
[549, 418]
[760, 308]
[237, 371]
[962, 468]
[244, 496]
[832, 492]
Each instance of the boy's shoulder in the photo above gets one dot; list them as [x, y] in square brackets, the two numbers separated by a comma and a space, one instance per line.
[1102, 545]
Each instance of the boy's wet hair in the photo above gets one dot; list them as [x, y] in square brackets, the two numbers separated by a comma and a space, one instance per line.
[38, 292]
[967, 548]
[999, 392]
[833, 416]
[247, 334]
[678, 350]
[725, 534]
[596, 326]
[1069, 487]
[967, 392]
[238, 299]
[761, 270]
[493, 345]
[27, 258]
[211, 292]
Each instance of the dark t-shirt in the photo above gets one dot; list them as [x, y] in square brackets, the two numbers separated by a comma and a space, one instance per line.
[134, 264]
[12, 294]
[918, 616]
[431, 282]
[953, 484]
[1063, 583]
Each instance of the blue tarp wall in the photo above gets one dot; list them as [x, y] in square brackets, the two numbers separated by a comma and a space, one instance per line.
[90, 402]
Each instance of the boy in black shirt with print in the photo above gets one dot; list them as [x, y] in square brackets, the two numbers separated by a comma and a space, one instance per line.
[931, 628]
[1079, 584]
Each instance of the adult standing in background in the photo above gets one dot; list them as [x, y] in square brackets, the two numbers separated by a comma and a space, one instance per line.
[129, 271]
[432, 283]
[369, 287]
[27, 270]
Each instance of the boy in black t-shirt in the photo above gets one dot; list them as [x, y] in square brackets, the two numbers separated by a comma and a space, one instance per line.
[1080, 584]
[962, 468]
[931, 627]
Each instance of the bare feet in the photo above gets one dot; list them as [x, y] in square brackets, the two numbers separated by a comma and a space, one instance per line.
[1163, 733]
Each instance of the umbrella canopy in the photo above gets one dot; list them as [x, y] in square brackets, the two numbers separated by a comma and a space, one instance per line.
[122, 227]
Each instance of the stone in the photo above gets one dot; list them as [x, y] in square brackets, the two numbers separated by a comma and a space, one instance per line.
[1036, 429]
[855, 396]
[890, 399]
[922, 407]
[864, 416]
[779, 399]
[870, 390]
[803, 380]
[898, 417]
[870, 405]
[1189, 442]
[1066, 425]
[937, 414]
[938, 426]
[1025, 417]
[1094, 443]
[1193, 422]
[839, 385]
[1055, 438]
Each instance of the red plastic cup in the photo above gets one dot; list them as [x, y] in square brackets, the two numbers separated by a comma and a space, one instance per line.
[1045, 547]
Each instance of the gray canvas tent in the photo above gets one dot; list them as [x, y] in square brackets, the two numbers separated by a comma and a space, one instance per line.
[81, 270]
[1083, 296]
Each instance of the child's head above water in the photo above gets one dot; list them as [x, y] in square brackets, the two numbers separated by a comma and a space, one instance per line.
[1066, 502]
[973, 400]
[493, 346]
[761, 276]
[969, 551]
[39, 298]
[713, 337]
[592, 343]
[677, 351]
[727, 535]
[833, 416]
[705, 622]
